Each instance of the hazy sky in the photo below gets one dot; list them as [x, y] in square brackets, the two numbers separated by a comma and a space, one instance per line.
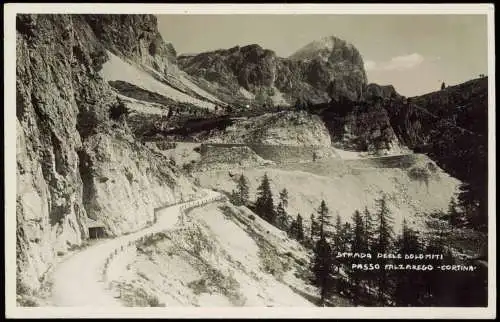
[415, 53]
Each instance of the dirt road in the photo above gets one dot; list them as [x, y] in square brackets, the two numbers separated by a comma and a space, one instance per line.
[78, 281]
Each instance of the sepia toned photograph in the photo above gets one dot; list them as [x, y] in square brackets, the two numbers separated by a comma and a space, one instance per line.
[292, 160]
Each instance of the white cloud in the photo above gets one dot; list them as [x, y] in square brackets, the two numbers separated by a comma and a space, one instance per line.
[404, 62]
[397, 63]
[370, 65]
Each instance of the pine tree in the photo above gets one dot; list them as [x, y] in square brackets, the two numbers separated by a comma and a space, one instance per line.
[243, 189]
[323, 268]
[314, 228]
[300, 228]
[281, 217]
[383, 242]
[323, 216]
[384, 229]
[359, 244]
[338, 223]
[409, 284]
[370, 235]
[234, 198]
[284, 197]
[347, 236]
[443, 85]
[293, 230]
[296, 230]
[369, 228]
[264, 205]
[338, 239]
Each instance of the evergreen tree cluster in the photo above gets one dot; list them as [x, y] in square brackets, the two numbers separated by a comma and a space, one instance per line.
[264, 205]
[240, 196]
[373, 233]
[369, 232]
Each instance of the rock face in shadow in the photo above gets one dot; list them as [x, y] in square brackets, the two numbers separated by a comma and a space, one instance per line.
[135, 37]
[327, 68]
[73, 160]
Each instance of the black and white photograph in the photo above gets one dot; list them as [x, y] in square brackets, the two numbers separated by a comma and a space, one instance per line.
[296, 160]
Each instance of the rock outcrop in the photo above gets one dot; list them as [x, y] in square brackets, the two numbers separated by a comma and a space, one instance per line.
[73, 160]
[282, 128]
[362, 126]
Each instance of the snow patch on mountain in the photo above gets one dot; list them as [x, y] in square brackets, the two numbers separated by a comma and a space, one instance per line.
[117, 69]
[142, 106]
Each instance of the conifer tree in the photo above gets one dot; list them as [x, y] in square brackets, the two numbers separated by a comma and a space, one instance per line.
[383, 242]
[323, 268]
[347, 236]
[235, 198]
[370, 235]
[300, 228]
[340, 236]
[281, 217]
[264, 205]
[359, 245]
[293, 230]
[284, 197]
[323, 216]
[369, 228]
[384, 228]
[314, 228]
[243, 189]
[409, 284]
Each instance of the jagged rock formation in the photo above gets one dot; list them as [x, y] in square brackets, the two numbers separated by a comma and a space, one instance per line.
[329, 67]
[283, 128]
[73, 160]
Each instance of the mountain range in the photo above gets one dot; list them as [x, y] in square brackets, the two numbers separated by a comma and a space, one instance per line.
[94, 92]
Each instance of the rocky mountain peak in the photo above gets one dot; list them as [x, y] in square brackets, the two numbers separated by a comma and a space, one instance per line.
[316, 48]
[328, 48]
[307, 74]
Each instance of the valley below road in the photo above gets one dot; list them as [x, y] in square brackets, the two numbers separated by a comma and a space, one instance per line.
[79, 280]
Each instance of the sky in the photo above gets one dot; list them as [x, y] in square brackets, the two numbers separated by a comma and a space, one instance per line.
[414, 53]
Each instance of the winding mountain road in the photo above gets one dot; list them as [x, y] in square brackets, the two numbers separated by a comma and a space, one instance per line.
[78, 281]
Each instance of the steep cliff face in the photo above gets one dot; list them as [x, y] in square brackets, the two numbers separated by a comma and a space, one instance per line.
[67, 144]
[362, 126]
[329, 67]
[135, 37]
[124, 182]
